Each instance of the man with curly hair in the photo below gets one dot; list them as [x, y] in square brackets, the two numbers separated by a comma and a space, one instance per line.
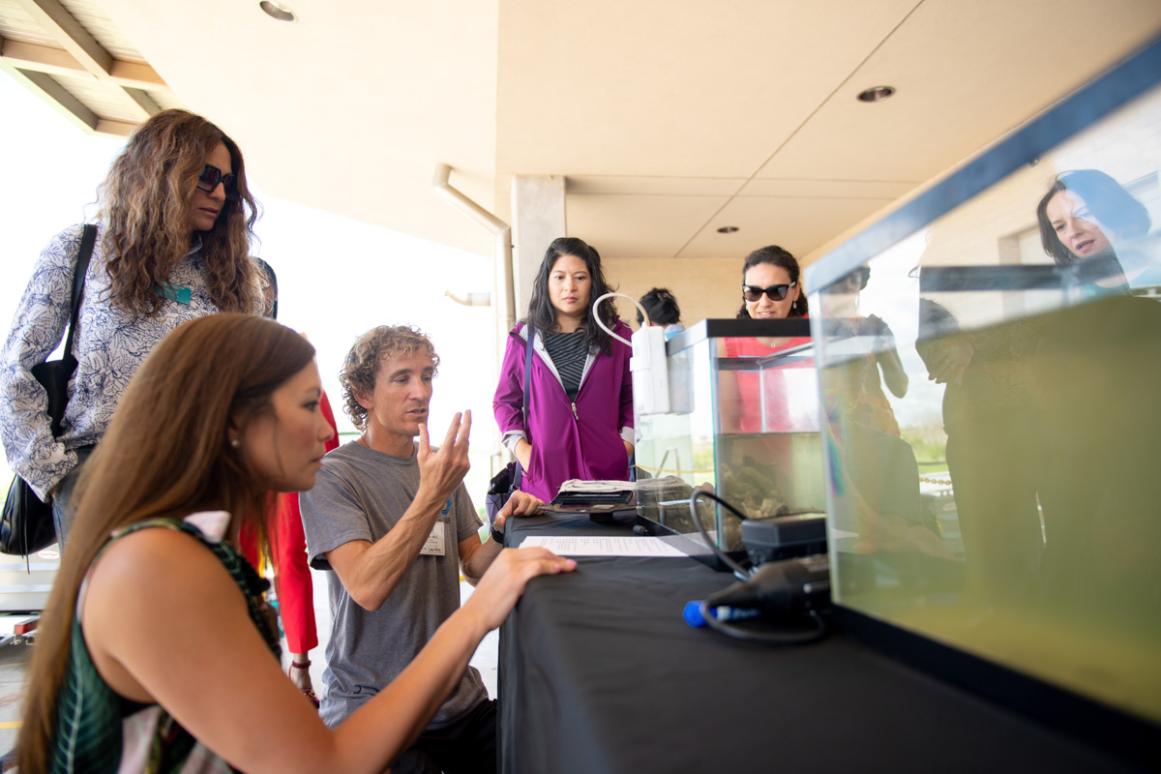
[393, 522]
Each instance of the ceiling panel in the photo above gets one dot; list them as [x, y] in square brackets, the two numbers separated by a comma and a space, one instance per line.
[165, 99]
[797, 224]
[813, 189]
[966, 73]
[654, 185]
[15, 23]
[92, 17]
[638, 226]
[670, 87]
[349, 108]
[98, 98]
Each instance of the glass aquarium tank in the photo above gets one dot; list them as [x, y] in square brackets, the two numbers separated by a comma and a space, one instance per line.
[993, 429]
[743, 424]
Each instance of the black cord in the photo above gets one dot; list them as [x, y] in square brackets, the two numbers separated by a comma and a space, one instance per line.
[739, 572]
[738, 632]
[766, 637]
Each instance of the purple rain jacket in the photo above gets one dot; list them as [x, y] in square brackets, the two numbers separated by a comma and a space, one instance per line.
[581, 439]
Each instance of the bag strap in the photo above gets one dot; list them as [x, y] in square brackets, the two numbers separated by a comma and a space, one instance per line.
[527, 372]
[84, 255]
[519, 476]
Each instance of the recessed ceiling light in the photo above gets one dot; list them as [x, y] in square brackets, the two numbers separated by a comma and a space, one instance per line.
[876, 93]
[276, 11]
[727, 229]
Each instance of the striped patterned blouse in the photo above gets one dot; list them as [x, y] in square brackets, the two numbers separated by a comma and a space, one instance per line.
[568, 352]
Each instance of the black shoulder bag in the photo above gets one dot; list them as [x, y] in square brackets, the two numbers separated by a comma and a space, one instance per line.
[504, 483]
[26, 525]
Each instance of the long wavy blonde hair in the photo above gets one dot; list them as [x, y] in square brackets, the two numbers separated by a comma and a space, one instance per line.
[164, 455]
[145, 205]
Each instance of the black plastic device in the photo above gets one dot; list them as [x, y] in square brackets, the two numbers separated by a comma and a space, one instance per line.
[786, 537]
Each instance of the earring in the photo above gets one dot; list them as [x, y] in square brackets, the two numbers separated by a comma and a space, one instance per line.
[235, 442]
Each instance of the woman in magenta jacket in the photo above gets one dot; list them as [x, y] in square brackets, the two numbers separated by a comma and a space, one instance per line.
[580, 402]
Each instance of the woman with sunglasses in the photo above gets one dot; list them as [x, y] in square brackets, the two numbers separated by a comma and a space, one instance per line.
[172, 244]
[771, 290]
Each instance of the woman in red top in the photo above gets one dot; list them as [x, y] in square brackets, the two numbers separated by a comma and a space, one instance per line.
[292, 581]
[293, 586]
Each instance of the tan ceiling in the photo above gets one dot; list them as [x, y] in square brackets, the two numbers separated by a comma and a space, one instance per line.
[668, 118]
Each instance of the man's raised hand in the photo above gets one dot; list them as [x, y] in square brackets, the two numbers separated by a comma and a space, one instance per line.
[441, 470]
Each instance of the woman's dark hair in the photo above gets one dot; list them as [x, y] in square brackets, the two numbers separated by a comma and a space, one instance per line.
[662, 307]
[1107, 200]
[776, 256]
[542, 314]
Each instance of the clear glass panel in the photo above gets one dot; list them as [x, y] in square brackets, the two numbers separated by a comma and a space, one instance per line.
[744, 425]
[993, 430]
[769, 452]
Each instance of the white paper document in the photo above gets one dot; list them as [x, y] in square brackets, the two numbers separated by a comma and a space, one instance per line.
[592, 545]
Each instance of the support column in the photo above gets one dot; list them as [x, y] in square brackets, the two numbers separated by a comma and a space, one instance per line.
[538, 217]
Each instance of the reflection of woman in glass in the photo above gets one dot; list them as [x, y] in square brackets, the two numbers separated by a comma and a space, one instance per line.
[1098, 373]
[841, 301]
[880, 474]
[1082, 216]
[990, 408]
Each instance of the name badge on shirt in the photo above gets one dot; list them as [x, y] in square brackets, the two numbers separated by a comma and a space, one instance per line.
[434, 545]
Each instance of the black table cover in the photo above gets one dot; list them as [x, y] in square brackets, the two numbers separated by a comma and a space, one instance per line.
[600, 673]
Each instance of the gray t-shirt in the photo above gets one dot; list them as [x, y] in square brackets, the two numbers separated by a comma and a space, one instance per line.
[359, 495]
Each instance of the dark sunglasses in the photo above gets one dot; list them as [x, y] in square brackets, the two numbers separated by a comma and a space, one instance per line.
[775, 292]
[211, 176]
